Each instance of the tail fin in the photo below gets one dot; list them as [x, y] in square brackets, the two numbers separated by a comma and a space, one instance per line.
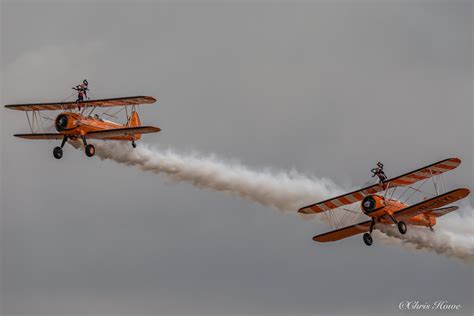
[134, 120]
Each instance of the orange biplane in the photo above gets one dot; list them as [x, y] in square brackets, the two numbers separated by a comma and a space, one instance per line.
[73, 123]
[383, 209]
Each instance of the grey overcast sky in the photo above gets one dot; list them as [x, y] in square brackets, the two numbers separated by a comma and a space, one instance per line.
[326, 87]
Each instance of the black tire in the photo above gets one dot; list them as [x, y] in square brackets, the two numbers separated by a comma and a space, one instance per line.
[90, 150]
[402, 227]
[367, 239]
[58, 152]
[134, 145]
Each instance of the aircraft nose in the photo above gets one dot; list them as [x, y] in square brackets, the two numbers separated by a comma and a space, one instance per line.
[61, 122]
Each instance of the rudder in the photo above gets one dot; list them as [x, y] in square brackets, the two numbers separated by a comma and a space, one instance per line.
[134, 120]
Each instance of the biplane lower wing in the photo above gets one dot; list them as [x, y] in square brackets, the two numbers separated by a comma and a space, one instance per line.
[40, 136]
[429, 205]
[343, 232]
[403, 180]
[102, 134]
[126, 131]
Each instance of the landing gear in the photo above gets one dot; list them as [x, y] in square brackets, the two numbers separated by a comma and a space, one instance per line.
[58, 151]
[90, 150]
[134, 145]
[402, 227]
[431, 228]
[367, 239]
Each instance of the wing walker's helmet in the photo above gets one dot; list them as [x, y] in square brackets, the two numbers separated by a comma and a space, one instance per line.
[85, 82]
[379, 164]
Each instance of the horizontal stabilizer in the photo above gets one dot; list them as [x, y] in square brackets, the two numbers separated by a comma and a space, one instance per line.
[442, 211]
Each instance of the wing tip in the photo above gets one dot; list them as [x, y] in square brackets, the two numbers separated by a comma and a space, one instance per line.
[307, 211]
[150, 99]
[155, 129]
[25, 136]
[319, 238]
[13, 107]
[465, 191]
[455, 159]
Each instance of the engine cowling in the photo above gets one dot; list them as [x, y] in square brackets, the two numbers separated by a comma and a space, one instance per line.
[372, 203]
[64, 122]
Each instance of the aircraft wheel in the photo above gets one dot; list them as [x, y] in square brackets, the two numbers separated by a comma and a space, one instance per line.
[367, 239]
[402, 227]
[90, 150]
[134, 145]
[58, 152]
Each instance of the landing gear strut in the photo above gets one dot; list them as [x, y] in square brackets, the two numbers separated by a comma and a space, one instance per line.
[89, 149]
[58, 151]
[134, 145]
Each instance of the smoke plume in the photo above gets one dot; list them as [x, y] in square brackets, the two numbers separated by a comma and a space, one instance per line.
[453, 237]
[285, 191]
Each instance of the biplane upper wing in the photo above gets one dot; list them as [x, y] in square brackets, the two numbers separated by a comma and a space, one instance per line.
[403, 180]
[404, 214]
[432, 204]
[87, 103]
[126, 131]
[40, 136]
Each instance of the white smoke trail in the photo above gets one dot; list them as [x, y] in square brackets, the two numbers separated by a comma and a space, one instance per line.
[285, 191]
[453, 236]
